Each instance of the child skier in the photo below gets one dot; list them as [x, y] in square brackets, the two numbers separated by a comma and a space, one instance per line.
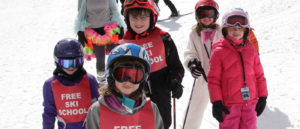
[123, 103]
[197, 54]
[166, 68]
[99, 26]
[171, 6]
[236, 82]
[71, 90]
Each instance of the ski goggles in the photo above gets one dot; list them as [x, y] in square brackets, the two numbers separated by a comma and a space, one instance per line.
[137, 1]
[237, 21]
[68, 63]
[206, 14]
[128, 73]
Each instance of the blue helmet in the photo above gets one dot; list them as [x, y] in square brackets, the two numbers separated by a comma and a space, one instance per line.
[129, 50]
[68, 48]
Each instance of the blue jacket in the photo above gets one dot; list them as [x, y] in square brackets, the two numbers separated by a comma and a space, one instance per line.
[50, 112]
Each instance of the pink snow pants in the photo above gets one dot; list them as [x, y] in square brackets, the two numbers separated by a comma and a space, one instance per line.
[240, 117]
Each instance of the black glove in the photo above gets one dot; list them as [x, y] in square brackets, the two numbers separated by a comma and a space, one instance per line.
[261, 104]
[176, 88]
[81, 38]
[218, 109]
[195, 68]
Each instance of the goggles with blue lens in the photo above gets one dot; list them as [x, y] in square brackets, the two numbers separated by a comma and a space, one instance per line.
[68, 63]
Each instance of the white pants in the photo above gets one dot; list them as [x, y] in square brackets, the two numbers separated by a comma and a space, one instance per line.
[198, 104]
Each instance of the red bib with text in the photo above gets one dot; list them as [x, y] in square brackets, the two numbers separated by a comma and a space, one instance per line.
[143, 119]
[155, 49]
[72, 102]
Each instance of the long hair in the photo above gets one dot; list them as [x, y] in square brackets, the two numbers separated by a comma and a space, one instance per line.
[199, 26]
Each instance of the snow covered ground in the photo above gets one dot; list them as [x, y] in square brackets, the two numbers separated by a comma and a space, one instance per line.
[30, 29]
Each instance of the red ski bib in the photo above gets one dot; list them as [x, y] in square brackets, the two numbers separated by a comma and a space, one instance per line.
[155, 49]
[72, 102]
[144, 119]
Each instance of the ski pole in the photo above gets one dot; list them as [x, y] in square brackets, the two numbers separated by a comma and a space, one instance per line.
[174, 112]
[187, 110]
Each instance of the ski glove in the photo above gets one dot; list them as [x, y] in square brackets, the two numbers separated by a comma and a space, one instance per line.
[195, 68]
[176, 88]
[261, 104]
[218, 109]
[81, 38]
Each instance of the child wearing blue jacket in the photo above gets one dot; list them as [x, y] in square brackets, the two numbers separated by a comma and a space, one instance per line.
[71, 90]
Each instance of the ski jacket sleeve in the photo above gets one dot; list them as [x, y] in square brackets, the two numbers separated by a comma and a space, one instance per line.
[260, 78]
[159, 124]
[115, 15]
[93, 116]
[49, 113]
[175, 67]
[81, 22]
[190, 53]
[214, 76]
[94, 87]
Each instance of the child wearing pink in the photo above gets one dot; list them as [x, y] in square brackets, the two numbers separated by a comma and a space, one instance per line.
[236, 82]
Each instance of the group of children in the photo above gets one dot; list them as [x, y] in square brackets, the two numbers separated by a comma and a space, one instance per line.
[143, 71]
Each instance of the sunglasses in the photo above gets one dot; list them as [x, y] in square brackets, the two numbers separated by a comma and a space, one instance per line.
[128, 73]
[68, 63]
[237, 20]
[206, 14]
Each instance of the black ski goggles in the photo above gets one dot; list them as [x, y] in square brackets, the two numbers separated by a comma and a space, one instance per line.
[206, 14]
[128, 73]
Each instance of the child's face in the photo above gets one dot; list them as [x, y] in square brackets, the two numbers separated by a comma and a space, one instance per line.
[207, 21]
[236, 32]
[126, 88]
[206, 16]
[139, 23]
[70, 70]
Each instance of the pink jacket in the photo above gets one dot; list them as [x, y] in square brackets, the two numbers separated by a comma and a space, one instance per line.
[225, 76]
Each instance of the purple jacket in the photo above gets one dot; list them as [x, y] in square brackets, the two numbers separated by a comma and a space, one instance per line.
[50, 112]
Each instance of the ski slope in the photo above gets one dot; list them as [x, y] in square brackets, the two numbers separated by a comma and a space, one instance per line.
[31, 28]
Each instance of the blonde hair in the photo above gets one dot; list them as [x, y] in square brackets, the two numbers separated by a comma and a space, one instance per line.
[104, 90]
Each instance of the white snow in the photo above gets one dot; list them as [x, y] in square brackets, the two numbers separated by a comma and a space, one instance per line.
[30, 29]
